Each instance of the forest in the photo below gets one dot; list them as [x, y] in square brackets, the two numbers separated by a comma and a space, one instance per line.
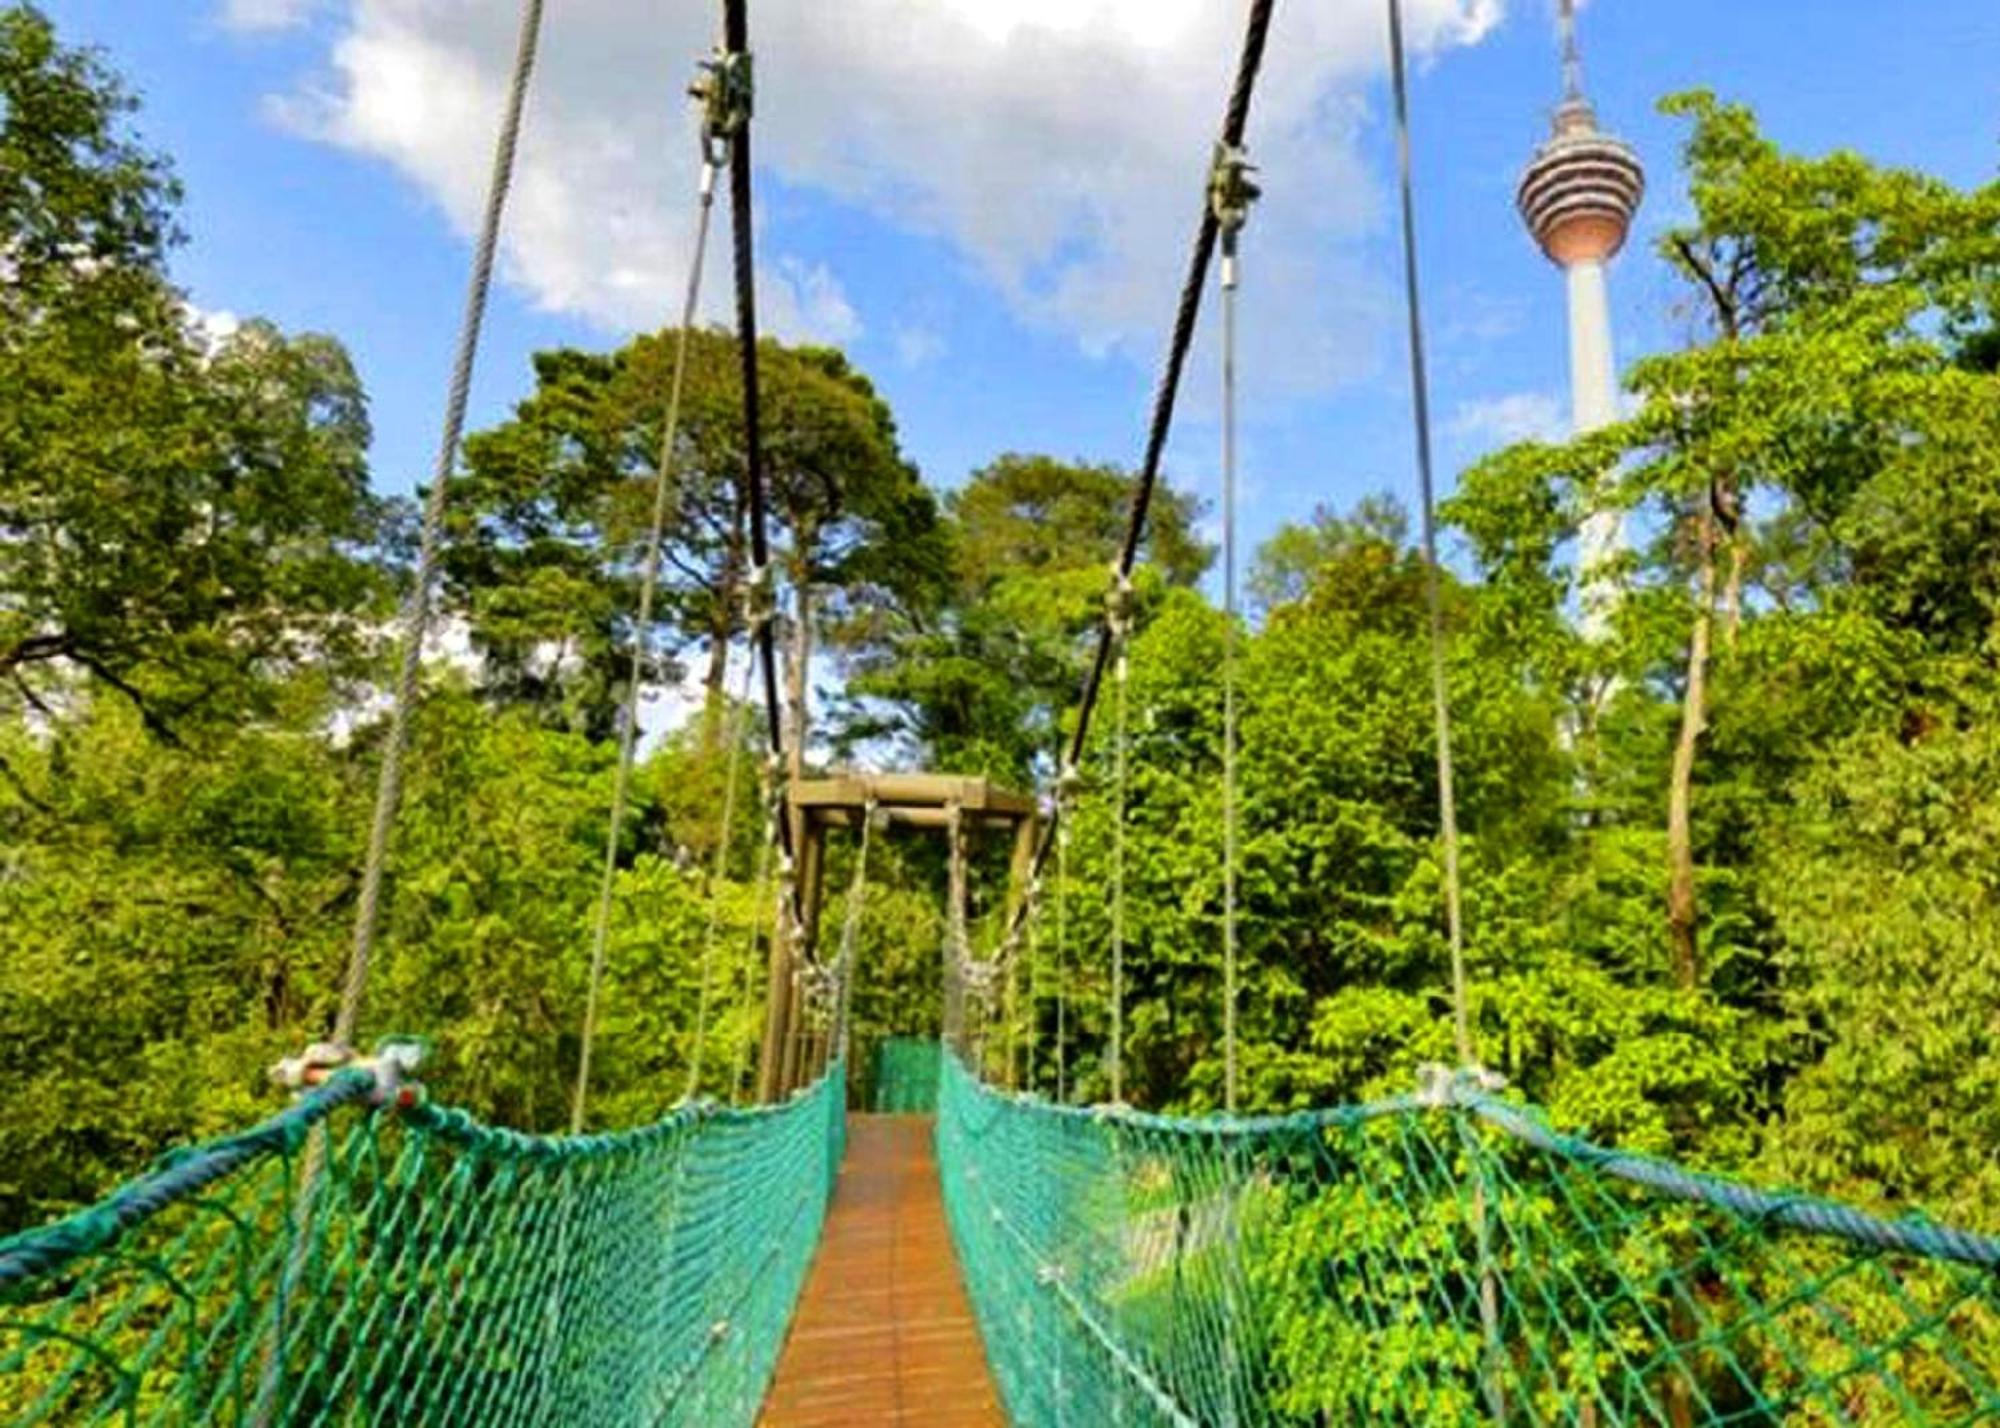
[1731, 875]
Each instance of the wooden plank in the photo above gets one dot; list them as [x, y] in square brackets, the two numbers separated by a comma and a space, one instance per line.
[883, 1333]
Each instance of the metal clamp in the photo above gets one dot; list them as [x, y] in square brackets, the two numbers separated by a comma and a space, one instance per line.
[1231, 190]
[1119, 603]
[393, 1066]
[726, 91]
[760, 597]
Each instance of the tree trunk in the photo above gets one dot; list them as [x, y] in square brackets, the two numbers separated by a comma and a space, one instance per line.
[1732, 594]
[1726, 503]
[1681, 909]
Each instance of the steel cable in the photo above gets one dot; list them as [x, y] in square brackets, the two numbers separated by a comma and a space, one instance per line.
[649, 580]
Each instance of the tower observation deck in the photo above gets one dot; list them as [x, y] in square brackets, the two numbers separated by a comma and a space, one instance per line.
[1577, 196]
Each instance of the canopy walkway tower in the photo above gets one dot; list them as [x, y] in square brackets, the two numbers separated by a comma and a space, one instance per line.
[956, 807]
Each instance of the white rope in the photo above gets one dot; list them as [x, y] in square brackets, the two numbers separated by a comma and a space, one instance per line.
[739, 718]
[642, 643]
[1230, 196]
[850, 932]
[417, 609]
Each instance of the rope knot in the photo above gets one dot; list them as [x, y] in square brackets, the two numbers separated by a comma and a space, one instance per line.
[1440, 1087]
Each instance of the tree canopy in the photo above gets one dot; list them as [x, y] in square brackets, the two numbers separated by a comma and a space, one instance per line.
[1728, 869]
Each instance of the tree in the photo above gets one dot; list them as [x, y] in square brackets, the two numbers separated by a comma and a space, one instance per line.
[1773, 461]
[549, 522]
[1289, 566]
[981, 686]
[181, 518]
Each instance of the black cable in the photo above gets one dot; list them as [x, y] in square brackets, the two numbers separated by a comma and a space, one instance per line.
[736, 42]
[1235, 119]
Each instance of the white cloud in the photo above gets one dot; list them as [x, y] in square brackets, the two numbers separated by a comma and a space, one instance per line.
[804, 302]
[916, 346]
[1059, 145]
[259, 16]
[1501, 421]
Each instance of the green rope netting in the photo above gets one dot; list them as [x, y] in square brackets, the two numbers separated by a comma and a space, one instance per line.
[1441, 1259]
[903, 1075]
[358, 1266]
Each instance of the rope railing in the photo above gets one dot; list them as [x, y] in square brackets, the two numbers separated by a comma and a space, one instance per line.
[446, 1271]
[1328, 1266]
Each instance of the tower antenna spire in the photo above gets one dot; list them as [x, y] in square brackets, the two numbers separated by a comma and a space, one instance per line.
[1572, 61]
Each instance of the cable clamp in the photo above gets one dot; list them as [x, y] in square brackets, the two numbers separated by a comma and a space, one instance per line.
[725, 89]
[393, 1066]
[1440, 1087]
[1231, 190]
[760, 596]
[1118, 604]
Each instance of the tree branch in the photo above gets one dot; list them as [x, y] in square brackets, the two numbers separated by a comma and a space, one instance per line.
[1719, 293]
[26, 794]
[148, 715]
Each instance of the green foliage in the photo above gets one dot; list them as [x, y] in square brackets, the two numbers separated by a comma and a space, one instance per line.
[182, 520]
[549, 520]
[194, 576]
[982, 685]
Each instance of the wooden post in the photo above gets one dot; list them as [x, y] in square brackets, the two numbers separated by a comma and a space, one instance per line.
[793, 1051]
[1018, 871]
[777, 1011]
[796, 1033]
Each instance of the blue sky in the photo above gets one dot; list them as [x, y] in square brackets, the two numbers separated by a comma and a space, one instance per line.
[986, 201]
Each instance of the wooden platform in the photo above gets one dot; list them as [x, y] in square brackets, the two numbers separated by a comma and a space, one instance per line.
[883, 1333]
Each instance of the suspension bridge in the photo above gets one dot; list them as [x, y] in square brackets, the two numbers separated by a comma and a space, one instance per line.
[1445, 1256]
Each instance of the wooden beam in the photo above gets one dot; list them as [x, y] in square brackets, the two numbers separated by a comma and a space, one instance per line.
[913, 790]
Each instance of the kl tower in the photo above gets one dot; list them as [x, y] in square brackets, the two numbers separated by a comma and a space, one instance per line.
[1577, 197]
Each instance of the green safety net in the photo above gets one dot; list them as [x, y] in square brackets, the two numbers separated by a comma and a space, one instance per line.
[903, 1075]
[342, 1264]
[1444, 1258]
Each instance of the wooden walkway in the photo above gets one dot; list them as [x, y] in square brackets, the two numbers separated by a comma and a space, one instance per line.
[883, 1333]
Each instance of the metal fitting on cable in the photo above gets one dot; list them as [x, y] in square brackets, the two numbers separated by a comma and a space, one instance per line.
[1231, 191]
[393, 1066]
[1119, 602]
[760, 597]
[1440, 1086]
[1068, 781]
[725, 89]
